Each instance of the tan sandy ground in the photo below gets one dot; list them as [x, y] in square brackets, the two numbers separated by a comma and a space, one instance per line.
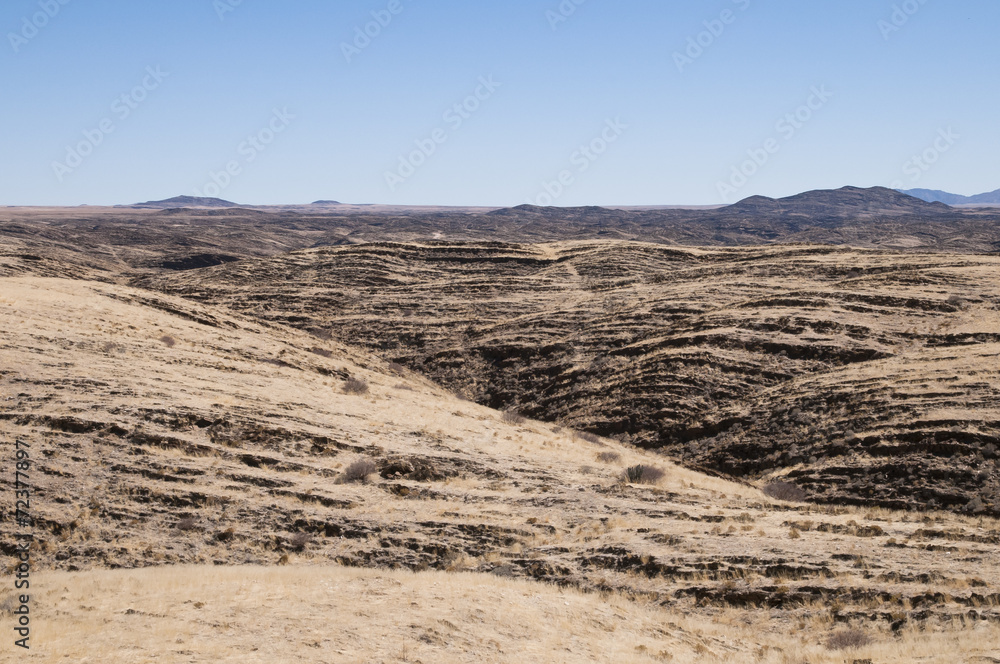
[332, 614]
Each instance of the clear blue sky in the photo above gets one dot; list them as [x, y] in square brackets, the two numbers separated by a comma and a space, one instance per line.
[668, 132]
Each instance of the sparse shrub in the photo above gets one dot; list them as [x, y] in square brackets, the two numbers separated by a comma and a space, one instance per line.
[512, 417]
[9, 605]
[322, 352]
[589, 437]
[397, 368]
[168, 341]
[299, 541]
[785, 491]
[641, 474]
[360, 470]
[956, 301]
[355, 386]
[324, 335]
[609, 457]
[848, 638]
[111, 348]
[225, 535]
[187, 523]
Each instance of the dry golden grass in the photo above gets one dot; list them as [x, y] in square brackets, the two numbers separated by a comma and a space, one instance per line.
[333, 614]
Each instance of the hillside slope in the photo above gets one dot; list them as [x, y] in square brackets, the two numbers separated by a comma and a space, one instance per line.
[170, 432]
[872, 377]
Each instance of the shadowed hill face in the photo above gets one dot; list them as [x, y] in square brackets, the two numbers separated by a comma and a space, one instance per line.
[868, 378]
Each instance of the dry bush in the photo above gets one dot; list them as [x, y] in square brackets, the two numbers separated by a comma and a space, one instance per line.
[785, 491]
[589, 437]
[360, 470]
[168, 341]
[225, 535]
[355, 386]
[9, 605]
[512, 417]
[848, 638]
[299, 541]
[609, 457]
[397, 368]
[641, 474]
[187, 523]
[322, 352]
[324, 335]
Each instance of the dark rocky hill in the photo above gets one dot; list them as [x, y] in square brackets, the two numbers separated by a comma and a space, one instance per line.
[187, 201]
[868, 377]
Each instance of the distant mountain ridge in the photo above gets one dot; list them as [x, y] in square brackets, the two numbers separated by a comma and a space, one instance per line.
[187, 201]
[938, 196]
[839, 203]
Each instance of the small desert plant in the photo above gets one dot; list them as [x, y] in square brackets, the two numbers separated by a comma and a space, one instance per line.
[785, 491]
[325, 335]
[168, 341]
[9, 605]
[512, 417]
[360, 470]
[299, 541]
[187, 523]
[225, 535]
[589, 437]
[397, 368]
[641, 474]
[322, 352]
[355, 386]
[609, 457]
[848, 638]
